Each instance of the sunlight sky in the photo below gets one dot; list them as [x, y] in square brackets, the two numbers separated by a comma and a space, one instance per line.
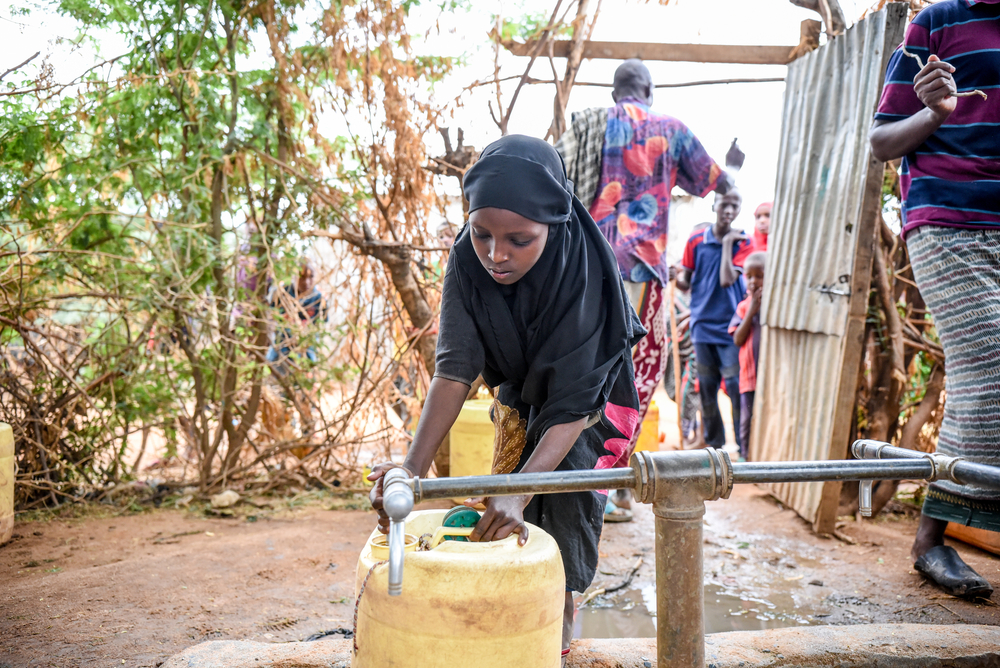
[716, 114]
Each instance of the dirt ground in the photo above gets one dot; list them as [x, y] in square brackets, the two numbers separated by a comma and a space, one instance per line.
[133, 590]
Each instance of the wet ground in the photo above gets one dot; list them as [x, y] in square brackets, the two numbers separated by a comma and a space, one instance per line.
[765, 569]
[133, 590]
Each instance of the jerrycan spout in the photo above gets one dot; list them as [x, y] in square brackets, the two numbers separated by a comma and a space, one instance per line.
[397, 499]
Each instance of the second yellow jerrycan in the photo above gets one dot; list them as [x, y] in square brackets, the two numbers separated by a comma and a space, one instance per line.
[6, 483]
[488, 605]
[649, 437]
[472, 440]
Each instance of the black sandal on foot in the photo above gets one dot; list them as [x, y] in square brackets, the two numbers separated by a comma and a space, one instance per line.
[944, 567]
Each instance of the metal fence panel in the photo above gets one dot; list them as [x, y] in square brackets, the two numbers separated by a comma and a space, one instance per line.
[819, 256]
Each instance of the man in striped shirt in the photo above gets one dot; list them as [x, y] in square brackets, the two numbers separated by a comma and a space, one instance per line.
[940, 112]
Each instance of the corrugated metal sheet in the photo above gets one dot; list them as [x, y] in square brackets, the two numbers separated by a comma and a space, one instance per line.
[830, 97]
[819, 254]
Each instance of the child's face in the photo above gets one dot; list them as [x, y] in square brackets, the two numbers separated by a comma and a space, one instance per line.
[306, 280]
[728, 206]
[762, 220]
[507, 244]
[446, 236]
[754, 275]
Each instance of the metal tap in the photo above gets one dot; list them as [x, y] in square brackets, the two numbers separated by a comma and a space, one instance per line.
[397, 500]
[865, 486]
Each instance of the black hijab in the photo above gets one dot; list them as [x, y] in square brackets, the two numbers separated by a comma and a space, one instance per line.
[562, 339]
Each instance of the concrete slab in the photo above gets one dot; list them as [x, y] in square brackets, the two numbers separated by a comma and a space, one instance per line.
[863, 646]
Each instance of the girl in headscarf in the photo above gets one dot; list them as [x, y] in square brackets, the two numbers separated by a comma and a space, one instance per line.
[533, 300]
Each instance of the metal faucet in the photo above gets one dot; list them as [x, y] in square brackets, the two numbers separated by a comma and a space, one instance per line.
[397, 500]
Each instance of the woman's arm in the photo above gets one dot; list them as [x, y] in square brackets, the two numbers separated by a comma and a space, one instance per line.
[444, 403]
[504, 514]
[441, 408]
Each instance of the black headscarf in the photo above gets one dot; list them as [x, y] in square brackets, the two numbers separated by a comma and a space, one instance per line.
[562, 339]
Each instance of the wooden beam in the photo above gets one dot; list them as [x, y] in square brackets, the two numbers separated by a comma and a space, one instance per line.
[695, 53]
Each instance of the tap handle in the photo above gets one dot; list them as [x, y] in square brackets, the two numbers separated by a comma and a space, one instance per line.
[397, 494]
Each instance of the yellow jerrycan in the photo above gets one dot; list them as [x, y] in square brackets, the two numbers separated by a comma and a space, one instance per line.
[6, 482]
[489, 605]
[649, 437]
[472, 440]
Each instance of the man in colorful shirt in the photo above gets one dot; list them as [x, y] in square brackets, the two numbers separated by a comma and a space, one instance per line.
[626, 183]
[624, 162]
[935, 114]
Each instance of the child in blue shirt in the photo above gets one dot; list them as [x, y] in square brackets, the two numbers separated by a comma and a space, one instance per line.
[712, 263]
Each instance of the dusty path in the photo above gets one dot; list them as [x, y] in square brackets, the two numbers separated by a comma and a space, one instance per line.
[133, 590]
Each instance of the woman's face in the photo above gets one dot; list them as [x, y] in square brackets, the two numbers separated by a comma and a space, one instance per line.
[507, 243]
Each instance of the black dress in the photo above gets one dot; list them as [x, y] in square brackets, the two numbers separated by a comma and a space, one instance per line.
[556, 345]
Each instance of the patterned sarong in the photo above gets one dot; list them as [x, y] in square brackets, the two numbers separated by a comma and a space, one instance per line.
[649, 357]
[958, 273]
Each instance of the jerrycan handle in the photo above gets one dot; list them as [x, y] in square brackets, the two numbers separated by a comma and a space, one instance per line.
[441, 532]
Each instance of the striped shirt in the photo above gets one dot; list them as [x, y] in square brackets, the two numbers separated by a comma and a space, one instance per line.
[953, 178]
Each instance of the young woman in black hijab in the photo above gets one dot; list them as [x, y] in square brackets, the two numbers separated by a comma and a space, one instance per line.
[533, 300]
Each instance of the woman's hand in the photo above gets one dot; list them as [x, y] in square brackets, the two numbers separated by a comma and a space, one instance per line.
[375, 496]
[504, 515]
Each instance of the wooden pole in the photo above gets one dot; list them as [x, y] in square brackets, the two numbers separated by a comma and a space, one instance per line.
[695, 53]
[676, 351]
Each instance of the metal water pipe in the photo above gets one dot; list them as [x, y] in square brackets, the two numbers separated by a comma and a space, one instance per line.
[677, 484]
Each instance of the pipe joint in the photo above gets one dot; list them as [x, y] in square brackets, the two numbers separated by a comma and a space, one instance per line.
[868, 449]
[944, 466]
[679, 483]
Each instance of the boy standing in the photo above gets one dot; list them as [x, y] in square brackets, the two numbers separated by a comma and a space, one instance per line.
[949, 138]
[745, 328]
[712, 261]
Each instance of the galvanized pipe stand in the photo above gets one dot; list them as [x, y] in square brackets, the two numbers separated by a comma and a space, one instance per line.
[678, 484]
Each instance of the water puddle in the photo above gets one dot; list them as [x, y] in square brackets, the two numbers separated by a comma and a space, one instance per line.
[632, 613]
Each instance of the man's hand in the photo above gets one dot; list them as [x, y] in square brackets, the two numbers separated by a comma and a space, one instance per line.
[375, 496]
[935, 86]
[733, 236]
[504, 515]
[735, 157]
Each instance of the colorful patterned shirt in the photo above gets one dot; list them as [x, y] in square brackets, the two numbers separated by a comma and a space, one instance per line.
[645, 155]
[953, 178]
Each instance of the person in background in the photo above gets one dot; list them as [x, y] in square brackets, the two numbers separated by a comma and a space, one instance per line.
[762, 225]
[745, 328]
[446, 233]
[301, 304]
[624, 161]
[713, 258]
[949, 140]
[690, 402]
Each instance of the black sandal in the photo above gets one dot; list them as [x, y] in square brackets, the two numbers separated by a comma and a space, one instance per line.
[944, 567]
